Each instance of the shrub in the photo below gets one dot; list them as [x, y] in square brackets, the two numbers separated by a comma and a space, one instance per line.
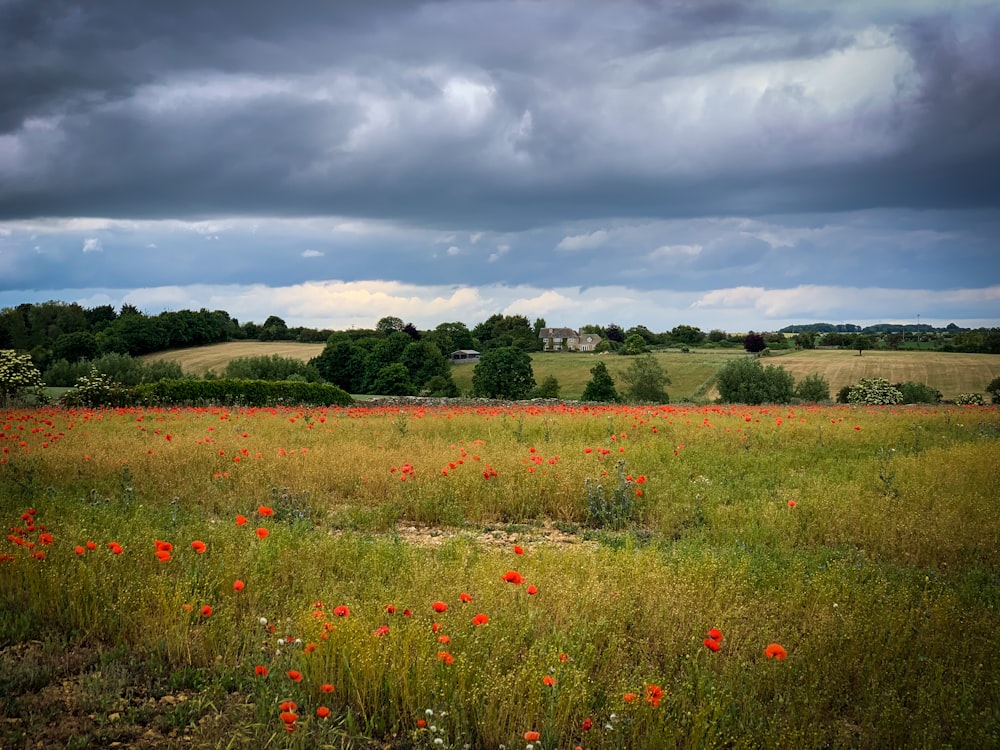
[601, 386]
[97, 389]
[746, 381]
[970, 399]
[754, 342]
[19, 377]
[548, 388]
[440, 386]
[813, 388]
[873, 392]
[121, 368]
[994, 390]
[843, 394]
[614, 509]
[918, 393]
[274, 367]
[646, 381]
[240, 392]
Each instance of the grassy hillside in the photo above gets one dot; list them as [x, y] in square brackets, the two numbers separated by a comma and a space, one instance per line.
[690, 374]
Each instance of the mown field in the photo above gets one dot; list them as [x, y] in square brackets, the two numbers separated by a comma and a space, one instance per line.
[558, 577]
[200, 359]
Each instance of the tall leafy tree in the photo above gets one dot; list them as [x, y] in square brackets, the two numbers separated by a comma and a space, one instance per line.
[601, 386]
[504, 372]
[646, 381]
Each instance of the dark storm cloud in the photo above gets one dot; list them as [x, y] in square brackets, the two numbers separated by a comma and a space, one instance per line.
[103, 114]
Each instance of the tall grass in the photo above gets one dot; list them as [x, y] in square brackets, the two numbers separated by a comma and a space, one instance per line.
[861, 540]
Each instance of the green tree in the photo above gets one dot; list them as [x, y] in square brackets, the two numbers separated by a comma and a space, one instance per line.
[646, 381]
[716, 335]
[548, 388]
[18, 377]
[342, 362]
[994, 390]
[805, 340]
[691, 335]
[389, 324]
[505, 373]
[423, 360]
[601, 386]
[393, 380]
[634, 344]
[745, 381]
[274, 367]
[813, 388]
[862, 342]
[754, 343]
[614, 332]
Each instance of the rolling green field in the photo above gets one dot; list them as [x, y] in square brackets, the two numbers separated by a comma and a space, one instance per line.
[594, 577]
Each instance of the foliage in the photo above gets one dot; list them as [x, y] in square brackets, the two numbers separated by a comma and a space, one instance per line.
[393, 380]
[18, 377]
[813, 388]
[98, 389]
[862, 342]
[970, 399]
[994, 390]
[389, 324]
[918, 393]
[505, 373]
[645, 381]
[634, 344]
[691, 335]
[746, 381]
[843, 394]
[614, 508]
[548, 388]
[601, 386]
[240, 392]
[500, 331]
[440, 386]
[754, 342]
[274, 367]
[121, 368]
[342, 362]
[874, 392]
[614, 332]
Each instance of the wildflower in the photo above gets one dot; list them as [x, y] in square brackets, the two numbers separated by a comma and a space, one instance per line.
[381, 630]
[238, 585]
[480, 619]
[421, 723]
[262, 533]
[532, 736]
[326, 687]
[512, 576]
[79, 549]
[162, 555]
[288, 706]
[711, 644]
[465, 598]
[444, 639]
[91, 546]
[715, 634]
[791, 503]
[260, 671]
[115, 548]
[439, 607]
[407, 613]
[518, 550]
[265, 511]
[39, 555]
[294, 675]
[198, 546]
[532, 590]
[187, 607]
[162, 546]
[322, 712]
[309, 648]
[390, 609]
[206, 611]
[435, 627]
[563, 658]
[45, 539]
[549, 680]
[341, 611]
[289, 718]
[445, 657]
[654, 694]
[630, 697]
[587, 724]
[775, 651]
[242, 520]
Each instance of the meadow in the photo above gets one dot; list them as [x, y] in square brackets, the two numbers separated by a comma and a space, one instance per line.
[485, 577]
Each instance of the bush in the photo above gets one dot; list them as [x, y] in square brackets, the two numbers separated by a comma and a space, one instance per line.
[746, 381]
[121, 368]
[874, 392]
[97, 389]
[274, 367]
[646, 381]
[440, 386]
[813, 388]
[601, 386]
[19, 378]
[548, 388]
[994, 390]
[614, 509]
[843, 394]
[918, 393]
[240, 393]
[970, 399]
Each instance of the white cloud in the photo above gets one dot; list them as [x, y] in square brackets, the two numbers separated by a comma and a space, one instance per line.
[583, 241]
[454, 250]
[92, 245]
[312, 254]
[675, 252]
[497, 254]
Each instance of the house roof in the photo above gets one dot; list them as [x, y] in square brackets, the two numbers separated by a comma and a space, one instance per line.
[557, 333]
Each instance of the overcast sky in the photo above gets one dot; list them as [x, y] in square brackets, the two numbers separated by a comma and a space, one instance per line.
[731, 164]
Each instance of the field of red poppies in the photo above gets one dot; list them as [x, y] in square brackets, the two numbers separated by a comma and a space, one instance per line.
[544, 576]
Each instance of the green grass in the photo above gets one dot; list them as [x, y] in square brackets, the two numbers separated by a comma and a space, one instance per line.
[863, 540]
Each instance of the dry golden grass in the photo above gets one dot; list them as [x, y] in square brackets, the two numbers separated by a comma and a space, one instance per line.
[200, 359]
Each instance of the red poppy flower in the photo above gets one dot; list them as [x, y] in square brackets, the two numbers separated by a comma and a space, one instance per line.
[45, 539]
[288, 706]
[715, 634]
[390, 609]
[791, 503]
[549, 680]
[198, 546]
[381, 630]
[242, 520]
[435, 626]
[91, 545]
[421, 723]
[630, 697]
[294, 675]
[289, 718]
[654, 694]
[265, 511]
[587, 724]
[341, 611]
[322, 712]
[465, 598]
[115, 548]
[79, 550]
[326, 687]
[162, 555]
[444, 639]
[162, 546]
[532, 590]
[445, 657]
[206, 611]
[711, 644]
[238, 585]
[774, 651]
[512, 576]
[518, 550]
[480, 619]
[532, 736]
[260, 671]
[262, 533]
[439, 607]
